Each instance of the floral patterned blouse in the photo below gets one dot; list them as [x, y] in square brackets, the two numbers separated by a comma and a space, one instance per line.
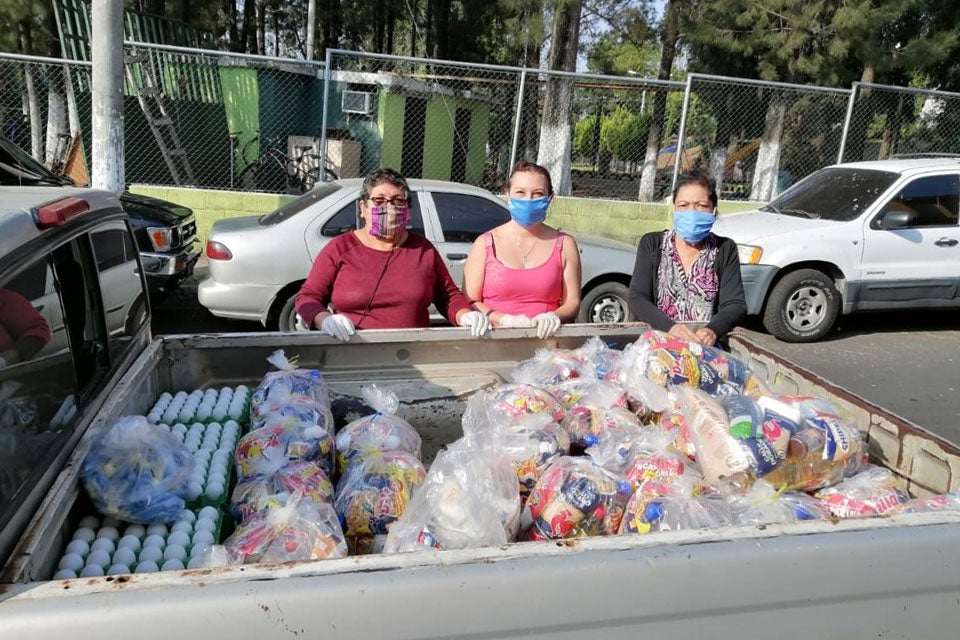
[687, 299]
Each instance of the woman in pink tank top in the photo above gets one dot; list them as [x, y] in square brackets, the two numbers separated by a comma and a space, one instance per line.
[525, 273]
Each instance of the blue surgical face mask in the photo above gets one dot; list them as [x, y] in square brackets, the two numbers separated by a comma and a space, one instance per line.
[527, 213]
[692, 225]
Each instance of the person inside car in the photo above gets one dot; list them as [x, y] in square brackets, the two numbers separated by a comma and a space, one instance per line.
[687, 274]
[23, 330]
[525, 273]
[381, 276]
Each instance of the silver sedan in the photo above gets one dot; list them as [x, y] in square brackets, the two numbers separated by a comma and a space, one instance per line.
[257, 263]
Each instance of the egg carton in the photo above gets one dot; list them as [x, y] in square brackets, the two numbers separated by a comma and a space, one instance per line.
[205, 407]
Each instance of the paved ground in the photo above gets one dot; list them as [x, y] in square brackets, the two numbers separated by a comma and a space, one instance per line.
[908, 363]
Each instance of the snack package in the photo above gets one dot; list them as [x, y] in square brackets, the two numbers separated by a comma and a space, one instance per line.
[873, 491]
[295, 530]
[137, 472]
[553, 366]
[375, 489]
[469, 499]
[823, 448]
[256, 494]
[263, 451]
[944, 502]
[585, 425]
[764, 504]
[574, 498]
[585, 402]
[674, 507]
[605, 360]
[513, 404]
[288, 386]
[382, 431]
[645, 456]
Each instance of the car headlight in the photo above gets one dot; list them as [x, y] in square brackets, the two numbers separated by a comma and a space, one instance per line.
[749, 254]
[160, 237]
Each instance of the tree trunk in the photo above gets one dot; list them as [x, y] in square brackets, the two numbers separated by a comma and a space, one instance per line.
[414, 18]
[891, 133]
[768, 158]
[671, 31]
[31, 96]
[229, 9]
[331, 26]
[248, 37]
[555, 130]
[391, 25]
[261, 27]
[57, 124]
[441, 28]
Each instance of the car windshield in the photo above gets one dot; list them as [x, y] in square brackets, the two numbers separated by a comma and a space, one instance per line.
[834, 193]
[297, 205]
[18, 166]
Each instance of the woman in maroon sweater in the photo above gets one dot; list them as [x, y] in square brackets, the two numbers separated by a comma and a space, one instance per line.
[382, 276]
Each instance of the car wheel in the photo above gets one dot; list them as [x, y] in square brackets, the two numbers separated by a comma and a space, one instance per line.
[803, 307]
[605, 303]
[287, 318]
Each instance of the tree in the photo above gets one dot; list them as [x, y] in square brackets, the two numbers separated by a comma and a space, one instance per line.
[624, 133]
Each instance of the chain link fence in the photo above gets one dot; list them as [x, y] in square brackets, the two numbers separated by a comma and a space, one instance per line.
[885, 121]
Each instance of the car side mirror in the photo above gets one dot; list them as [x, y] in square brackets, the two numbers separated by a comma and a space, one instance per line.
[896, 219]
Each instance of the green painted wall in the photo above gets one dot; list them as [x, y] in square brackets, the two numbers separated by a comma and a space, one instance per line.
[477, 149]
[241, 101]
[438, 141]
[390, 121]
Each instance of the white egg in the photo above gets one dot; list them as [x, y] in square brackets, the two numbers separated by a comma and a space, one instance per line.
[153, 418]
[214, 491]
[187, 516]
[181, 525]
[148, 566]
[201, 538]
[172, 564]
[197, 563]
[118, 569]
[185, 414]
[64, 574]
[231, 424]
[197, 477]
[71, 561]
[177, 435]
[125, 556]
[219, 477]
[178, 538]
[89, 522]
[219, 413]
[169, 416]
[208, 446]
[155, 540]
[203, 413]
[196, 393]
[99, 558]
[174, 552]
[204, 525]
[79, 547]
[109, 532]
[208, 513]
[157, 529]
[137, 530]
[92, 571]
[180, 395]
[151, 554]
[129, 541]
[235, 413]
[103, 544]
[193, 491]
[165, 427]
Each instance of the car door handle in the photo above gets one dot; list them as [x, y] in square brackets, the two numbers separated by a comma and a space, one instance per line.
[947, 242]
[456, 256]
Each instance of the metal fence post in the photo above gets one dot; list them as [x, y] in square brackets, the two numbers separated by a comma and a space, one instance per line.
[854, 89]
[517, 121]
[321, 169]
[107, 96]
[678, 153]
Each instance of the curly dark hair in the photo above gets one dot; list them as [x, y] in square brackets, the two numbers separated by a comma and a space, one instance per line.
[699, 179]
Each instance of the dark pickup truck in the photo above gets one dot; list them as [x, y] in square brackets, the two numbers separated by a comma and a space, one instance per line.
[165, 232]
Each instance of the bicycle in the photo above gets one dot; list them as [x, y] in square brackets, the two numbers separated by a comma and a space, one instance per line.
[273, 170]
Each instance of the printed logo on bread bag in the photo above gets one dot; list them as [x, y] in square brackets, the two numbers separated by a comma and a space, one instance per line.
[763, 457]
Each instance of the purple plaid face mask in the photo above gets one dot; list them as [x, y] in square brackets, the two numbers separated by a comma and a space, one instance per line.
[387, 221]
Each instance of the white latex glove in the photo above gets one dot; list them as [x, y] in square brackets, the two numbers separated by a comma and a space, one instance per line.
[508, 320]
[337, 326]
[547, 324]
[299, 324]
[479, 323]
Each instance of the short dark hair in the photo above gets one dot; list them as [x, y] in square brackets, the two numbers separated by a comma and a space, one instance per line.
[699, 179]
[380, 176]
[532, 167]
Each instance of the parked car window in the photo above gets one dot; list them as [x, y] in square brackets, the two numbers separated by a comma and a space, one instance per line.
[38, 389]
[933, 201]
[346, 219]
[464, 217]
[297, 205]
[122, 289]
[834, 193]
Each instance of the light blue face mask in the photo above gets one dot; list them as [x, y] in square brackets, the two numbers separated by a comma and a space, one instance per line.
[692, 225]
[527, 213]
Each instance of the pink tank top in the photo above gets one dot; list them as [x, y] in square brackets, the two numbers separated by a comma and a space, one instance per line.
[523, 291]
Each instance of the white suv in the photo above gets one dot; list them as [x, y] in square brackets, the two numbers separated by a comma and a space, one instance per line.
[852, 237]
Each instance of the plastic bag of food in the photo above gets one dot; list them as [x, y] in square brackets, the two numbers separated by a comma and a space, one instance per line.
[765, 504]
[674, 507]
[381, 431]
[137, 472]
[293, 411]
[585, 403]
[645, 456]
[574, 498]
[553, 366]
[263, 451]
[874, 491]
[296, 530]
[944, 502]
[514, 404]
[375, 489]
[304, 478]
[288, 386]
[673, 421]
[468, 499]
[823, 448]
[605, 360]
[719, 455]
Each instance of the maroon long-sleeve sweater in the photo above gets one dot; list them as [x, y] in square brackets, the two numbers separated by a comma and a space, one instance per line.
[346, 273]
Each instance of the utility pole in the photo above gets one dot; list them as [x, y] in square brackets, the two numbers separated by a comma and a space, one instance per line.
[107, 126]
[311, 29]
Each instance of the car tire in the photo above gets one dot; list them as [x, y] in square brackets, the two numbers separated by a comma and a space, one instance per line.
[605, 303]
[802, 307]
[287, 317]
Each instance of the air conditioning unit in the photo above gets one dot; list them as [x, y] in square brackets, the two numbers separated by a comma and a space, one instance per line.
[356, 102]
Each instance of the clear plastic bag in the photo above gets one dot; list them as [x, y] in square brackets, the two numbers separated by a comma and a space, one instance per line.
[296, 530]
[874, 491]
[605, 360]
[137, 472]
[574, 498]
[375, 489]
[263, 451]
[944, 502]
[641, 456]
[468, 499]
[674, 507]
[304, 478]
[288, 386]
[553, 366]
[294, 411]
[719, 455]
[513, 404]
[382, 431]
[764, 504]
